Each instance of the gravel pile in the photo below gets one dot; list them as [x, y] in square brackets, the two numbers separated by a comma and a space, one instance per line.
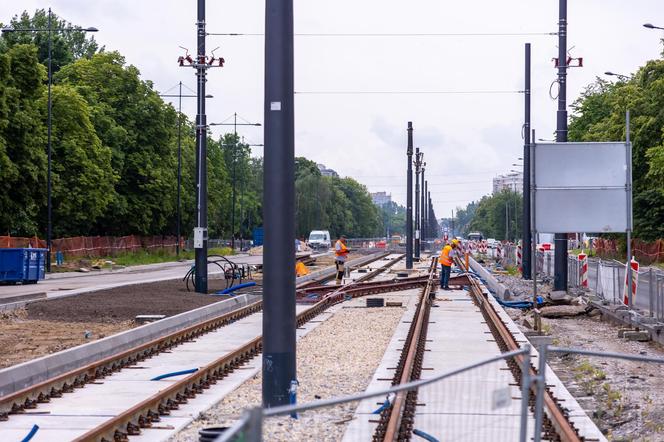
[337, 358]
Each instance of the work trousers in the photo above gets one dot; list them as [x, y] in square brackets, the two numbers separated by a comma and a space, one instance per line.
[445, 276]
[340, 270]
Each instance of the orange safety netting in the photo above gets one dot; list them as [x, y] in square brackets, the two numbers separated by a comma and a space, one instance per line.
[646, 252]
[93, 246]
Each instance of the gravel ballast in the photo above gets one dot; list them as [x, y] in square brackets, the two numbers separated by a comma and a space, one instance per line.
[337, 358]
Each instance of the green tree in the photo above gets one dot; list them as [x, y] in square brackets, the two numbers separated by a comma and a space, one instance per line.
[599, 115]
[66, 47]
[22, 142]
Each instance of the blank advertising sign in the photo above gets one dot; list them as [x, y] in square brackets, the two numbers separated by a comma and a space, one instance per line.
[582, 187]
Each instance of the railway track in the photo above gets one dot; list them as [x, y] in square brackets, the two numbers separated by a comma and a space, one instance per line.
[396, 421]
[147, 412]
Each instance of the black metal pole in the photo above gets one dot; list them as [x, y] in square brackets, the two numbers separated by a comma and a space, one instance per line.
[201, 158]
[409, 199]
[49, 205]
[425, 219]
[560, 239]
[178, 221]
[422, 212]
[235, 146]
[525, 231]
[418, 165]
[279, 364]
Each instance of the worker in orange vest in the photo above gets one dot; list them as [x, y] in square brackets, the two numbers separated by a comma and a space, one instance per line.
[341, 251]
[445, 260]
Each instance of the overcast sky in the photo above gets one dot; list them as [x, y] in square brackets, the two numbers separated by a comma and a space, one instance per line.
[467, 138]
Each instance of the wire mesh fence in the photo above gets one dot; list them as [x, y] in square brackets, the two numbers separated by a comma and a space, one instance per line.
[478, 402]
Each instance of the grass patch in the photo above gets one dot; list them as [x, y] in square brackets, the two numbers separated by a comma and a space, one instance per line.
[139, 258]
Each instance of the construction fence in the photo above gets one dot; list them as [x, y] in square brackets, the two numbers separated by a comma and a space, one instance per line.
[95, 246]
[645, 252]
[483, 401]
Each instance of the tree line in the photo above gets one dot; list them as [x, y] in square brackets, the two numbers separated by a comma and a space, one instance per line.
[115, 153]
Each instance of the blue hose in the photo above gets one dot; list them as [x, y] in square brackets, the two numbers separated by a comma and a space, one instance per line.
[519, 304]
[425, 436]
[175, 373]
[31, 434]
[235, 287]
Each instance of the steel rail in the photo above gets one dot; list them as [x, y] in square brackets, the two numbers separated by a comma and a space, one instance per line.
[561, 425]
[42, 392]
[395, 421]
[143, 414]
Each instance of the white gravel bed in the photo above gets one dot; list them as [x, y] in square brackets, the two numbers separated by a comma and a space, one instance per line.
[337, 358]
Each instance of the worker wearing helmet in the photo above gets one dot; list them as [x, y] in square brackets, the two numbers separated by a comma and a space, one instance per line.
[445, 260]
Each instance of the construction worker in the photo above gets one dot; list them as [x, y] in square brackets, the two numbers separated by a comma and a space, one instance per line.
[445, 260]
[340, 252]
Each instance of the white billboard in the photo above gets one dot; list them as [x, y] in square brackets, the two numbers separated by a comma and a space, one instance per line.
[582, 187]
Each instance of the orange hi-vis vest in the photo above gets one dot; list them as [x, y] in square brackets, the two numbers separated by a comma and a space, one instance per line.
[342, 250]
[444, 258]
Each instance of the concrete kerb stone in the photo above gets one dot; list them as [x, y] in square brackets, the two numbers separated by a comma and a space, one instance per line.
[500, 290]
[623, 316]
[31, 372]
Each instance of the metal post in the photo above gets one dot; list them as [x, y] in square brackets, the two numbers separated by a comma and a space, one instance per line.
[629, 209]
[422, 211]
[527, 258]
[254, 432]
[525, 393]
[425, 196]
[539, 398]
[201, 157]
[177, 226]
[418, 166]
[560, 239]
[531, 222]
[279, 363]
[507, 221]
[651, 292]
[235, 146]
[409, 199]
[49, 205]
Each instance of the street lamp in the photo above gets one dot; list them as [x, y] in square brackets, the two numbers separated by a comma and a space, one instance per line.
[49, 205]
[235, 124]
[180, 97]
[620, 76]
[651, 26]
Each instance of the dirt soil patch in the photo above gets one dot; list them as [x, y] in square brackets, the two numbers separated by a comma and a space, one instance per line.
[124, 303]
[23, 339]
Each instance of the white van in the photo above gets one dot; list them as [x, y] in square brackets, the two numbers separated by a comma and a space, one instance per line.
[320, 239]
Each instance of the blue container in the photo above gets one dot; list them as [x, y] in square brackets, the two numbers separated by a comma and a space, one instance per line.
[258, 236]
[22, 265]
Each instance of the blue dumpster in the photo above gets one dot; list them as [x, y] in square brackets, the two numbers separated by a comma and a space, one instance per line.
[258, 236]
[22, 265]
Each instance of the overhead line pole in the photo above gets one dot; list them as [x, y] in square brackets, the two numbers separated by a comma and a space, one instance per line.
[418, 167]
[279, 363]
[201, 274]
[560, 239]
[525, 231]
[409, 199]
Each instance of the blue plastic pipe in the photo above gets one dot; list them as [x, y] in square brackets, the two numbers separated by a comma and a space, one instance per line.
[235, 287]
[425, 436]
[31, 434]
[175, 373]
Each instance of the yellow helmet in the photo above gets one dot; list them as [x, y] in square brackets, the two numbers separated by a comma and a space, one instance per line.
[455, 242]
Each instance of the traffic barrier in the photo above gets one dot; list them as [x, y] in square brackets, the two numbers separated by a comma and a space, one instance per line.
[635, 282]
[583, 269]
[518, 258]
[499, 252]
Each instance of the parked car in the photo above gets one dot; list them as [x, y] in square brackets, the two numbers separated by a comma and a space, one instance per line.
[320, 239]
[491, 243]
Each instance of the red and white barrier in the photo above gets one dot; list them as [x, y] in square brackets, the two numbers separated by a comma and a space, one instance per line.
[635, 282]
[499, 251]
[518, 257]
[583, 268]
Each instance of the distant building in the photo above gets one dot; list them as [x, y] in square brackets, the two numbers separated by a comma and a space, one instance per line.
[327, 172]
[511, 181]
[381, 198]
